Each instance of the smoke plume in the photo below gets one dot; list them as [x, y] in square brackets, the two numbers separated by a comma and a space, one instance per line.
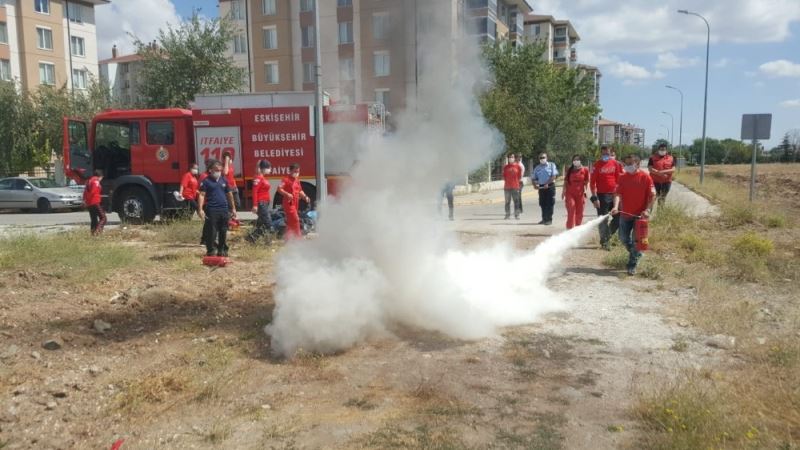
[384, 258]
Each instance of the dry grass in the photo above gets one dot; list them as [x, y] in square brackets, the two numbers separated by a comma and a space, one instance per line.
[740, 265]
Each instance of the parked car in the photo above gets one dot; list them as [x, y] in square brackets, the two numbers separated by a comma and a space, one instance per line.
[42, 194]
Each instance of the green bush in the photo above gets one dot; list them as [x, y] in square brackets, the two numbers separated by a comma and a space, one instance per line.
[736, 216]
[752, 245]
[691, 242]
[774, 221]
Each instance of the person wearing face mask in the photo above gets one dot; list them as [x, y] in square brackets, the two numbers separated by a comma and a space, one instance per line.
[662, 166]
[228, 172]
[633, 198]
[216, 207]
[544, 177]
[603, 183]
[574, 193]
[511, 178]
[189, 185]
[261, 190]
[521, 180]
[291, 194]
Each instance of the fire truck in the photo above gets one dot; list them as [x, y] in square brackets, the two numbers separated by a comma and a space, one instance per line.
[144, 153]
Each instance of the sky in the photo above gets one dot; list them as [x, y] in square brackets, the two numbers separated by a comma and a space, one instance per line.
[639, 45]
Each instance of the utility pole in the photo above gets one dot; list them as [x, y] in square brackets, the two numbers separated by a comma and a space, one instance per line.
[322, 188]
[672, 133]
[680, 127]
[705, 97]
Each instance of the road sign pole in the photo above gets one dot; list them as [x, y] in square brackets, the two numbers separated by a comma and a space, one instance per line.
[753, 172]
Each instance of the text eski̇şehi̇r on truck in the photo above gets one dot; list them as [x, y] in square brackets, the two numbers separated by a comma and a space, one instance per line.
[144, 153]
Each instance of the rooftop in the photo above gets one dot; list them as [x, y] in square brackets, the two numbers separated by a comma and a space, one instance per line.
[121, 59]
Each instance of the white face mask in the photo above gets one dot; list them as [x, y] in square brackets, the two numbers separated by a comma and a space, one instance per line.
[576, 164]
[194, 171]
[266, 171]
[662, 152]
[295, 174]
[216, 174]
[630, 169]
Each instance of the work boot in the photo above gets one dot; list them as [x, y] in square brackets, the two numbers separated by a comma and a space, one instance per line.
[631, 271]
[506, 217]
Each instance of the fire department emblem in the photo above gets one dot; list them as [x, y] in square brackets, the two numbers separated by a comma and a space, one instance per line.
[162, 154]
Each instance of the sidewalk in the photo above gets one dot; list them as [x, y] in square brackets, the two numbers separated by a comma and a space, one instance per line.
[496, 196]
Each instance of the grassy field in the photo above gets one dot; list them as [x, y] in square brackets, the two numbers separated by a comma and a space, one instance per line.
[744, 267]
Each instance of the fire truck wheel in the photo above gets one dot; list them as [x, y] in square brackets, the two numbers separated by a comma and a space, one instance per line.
[136, 206]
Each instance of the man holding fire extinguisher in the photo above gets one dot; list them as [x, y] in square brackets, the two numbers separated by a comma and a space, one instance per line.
[633, 198]
[291, 193]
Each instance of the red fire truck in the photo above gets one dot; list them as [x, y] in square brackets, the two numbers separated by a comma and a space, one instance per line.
[144, 153]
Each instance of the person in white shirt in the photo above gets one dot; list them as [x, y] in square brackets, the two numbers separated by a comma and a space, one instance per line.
[522, 177]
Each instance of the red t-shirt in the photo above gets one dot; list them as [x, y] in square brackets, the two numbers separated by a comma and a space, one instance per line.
[92, 192]
[292, 186]
[261, 189]
[635, 191]
[231, 179]
[511, 176]
[202, 177]
[189, 184]
[659, 162]
[577, 179]
[605, 175]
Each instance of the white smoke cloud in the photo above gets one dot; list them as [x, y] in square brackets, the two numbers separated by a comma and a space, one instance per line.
[382, 257]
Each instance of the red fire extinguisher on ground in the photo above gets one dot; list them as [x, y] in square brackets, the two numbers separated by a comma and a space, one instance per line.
[640, 230]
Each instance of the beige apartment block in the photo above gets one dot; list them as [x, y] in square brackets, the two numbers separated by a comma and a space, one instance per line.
[372, 50]
[48, 42]
[559, 37]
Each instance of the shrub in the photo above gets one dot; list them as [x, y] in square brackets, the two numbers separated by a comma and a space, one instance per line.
[752, 245]
[736, 216]
[691, 242]
[617, 258]
[774, 221]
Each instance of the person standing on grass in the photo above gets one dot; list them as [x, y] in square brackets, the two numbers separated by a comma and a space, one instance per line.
[544, 180]
[447, 192]
[521, 180]
[189, 185]
[633, 197]
[576, 181]
[261, 198]
[603, 183]
[291, 193]
[217, 198]
[511, 178]
[92, 199]
[228, 170]
[661, 166]
[200, 179]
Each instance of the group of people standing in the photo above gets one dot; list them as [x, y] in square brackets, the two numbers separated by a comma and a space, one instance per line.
[620, 189]
[214, 195]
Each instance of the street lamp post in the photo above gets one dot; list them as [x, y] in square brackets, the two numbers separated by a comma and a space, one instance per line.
[680, 126]
[672, 132]
[319, 138]
[705, 98]
[667, 132]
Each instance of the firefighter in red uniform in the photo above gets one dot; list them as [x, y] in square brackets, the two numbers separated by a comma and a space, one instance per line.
[662, 166]
[228, 172]
[574, 193]
[189, 185]
[291, 193]
[512, 175]
[261, 188]
[633, 198]
[92, 194]
[603, 183]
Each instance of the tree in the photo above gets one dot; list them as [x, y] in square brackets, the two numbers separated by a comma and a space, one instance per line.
[538, 106]
[189, 59]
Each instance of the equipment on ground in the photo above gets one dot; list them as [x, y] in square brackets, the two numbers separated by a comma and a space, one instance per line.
[216, 261]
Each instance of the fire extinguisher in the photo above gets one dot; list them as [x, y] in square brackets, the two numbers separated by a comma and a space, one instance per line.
[640, 229]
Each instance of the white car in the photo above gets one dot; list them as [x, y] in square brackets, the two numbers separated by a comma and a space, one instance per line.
[42, 194]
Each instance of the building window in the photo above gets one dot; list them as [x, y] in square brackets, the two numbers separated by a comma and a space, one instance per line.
[308, 37]
[80, 79]
[347, 71]
[3, 33]
[344, 3]
[380, 25]
[537, 29]
[306, 5]
[308, 72]
[78, 46]
[47, 74]
[382, 96]
[382, 64]
[239, 44]
[42, 6]
[268, 8]
[74, 12]
[5, 70]
[271, 75]
[237, 10]
[270, 38]
[345, 32]
[124, 68]
[44, 38]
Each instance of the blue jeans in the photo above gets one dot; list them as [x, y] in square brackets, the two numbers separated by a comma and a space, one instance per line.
[628, 238]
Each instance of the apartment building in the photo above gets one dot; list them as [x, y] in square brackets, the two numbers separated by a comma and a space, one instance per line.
[121, 74]
[559, 37]
[48, 42]
[372, 50]
[612, 132]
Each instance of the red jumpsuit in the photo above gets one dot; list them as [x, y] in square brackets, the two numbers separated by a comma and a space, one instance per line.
[291, 207]
[574, 195]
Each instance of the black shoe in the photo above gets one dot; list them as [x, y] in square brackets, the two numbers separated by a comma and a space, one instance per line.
[541, 222]
[548, 222]
[222, 253]
[631, 271]
[516, 217]
[506, 217]
[605, 246]
[211, 254]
